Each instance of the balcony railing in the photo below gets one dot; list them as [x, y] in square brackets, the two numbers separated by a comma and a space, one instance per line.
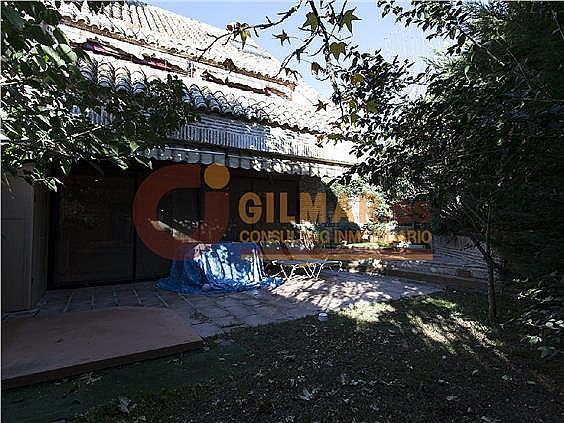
[247, 136]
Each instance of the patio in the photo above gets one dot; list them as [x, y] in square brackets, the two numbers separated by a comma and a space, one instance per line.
[214, 314]
[84, 329]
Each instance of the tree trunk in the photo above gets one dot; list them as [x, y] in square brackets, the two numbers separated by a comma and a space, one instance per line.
[492, 306]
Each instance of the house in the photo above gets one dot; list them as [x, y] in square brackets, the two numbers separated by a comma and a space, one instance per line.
[259, 123]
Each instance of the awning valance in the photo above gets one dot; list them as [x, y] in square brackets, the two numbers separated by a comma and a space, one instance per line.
[239, 161]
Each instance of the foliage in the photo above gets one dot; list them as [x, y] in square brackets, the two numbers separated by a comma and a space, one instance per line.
[544, 317]
[353, 187]
[484, 142]
[379, 230]
[485, 139]
[360, 187]
[48, 106]
[323, 39]
[380, 223]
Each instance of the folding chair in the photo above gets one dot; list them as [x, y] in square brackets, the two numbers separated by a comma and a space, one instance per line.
[311, 265]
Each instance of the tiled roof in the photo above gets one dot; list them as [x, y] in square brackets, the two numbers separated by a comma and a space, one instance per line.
[150, 25]
[210, 97]
[122, 41]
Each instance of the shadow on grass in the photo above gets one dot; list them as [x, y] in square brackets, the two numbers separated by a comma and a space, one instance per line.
[421, 359]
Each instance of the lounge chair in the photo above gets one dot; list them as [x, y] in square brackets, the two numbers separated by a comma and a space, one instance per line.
[289, 258]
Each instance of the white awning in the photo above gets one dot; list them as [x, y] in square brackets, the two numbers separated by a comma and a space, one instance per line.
[238, 161]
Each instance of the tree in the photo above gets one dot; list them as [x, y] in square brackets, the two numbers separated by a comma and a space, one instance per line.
[485, 141]
[48, 106]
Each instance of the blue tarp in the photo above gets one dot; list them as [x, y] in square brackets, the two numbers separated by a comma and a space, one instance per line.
[222, 267]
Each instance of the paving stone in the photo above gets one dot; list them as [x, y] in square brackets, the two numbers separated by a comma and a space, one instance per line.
[268, 312]
[201, 302]
[229, 302]
[294, 299]
[127, 298]
[207, 329]
[250, 302]
[258, 294]
[104, 302]
[81, 296]
[291, 299]
[234, 327]
[243, 295]
[79, 306]
[50, 310]
[212, 311]
[299, 312]
[171, 298]
[148, 298]
[187, 317]
[241, 310]
[183, 307]
[195, 319]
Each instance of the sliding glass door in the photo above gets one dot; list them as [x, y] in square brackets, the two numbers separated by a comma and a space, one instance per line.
[93, 236]
[93, 239]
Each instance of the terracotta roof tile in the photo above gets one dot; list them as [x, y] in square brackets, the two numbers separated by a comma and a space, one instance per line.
[155, 26]
[127, 61]
[207, 96]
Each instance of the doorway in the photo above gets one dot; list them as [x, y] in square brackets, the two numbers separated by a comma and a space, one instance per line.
[93, 239]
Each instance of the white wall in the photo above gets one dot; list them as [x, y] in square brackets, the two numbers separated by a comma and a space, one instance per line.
[24, 245]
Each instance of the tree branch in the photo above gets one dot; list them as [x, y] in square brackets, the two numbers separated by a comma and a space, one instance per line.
[261, 27]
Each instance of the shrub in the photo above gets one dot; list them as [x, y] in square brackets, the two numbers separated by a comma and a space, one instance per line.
[544, 315]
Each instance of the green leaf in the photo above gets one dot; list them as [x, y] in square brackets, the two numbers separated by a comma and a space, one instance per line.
[282, 37]
[311, 21]
[357, 79]
[51, 184]
[45, 120]
[347, 19]
[241, 30]
[65, 166]
[244, 34]
[370, 106]
[52, 54]
[337, 49]
[60, 36]
[321, 106]
[133, 145]
[67, 51]
[13, 17]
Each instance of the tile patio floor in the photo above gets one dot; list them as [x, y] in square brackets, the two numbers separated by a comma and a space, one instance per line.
[218, 313]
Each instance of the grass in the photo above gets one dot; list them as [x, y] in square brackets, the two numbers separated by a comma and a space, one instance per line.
[424, 359]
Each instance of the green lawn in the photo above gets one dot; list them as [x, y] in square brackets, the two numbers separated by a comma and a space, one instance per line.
[423, 359]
